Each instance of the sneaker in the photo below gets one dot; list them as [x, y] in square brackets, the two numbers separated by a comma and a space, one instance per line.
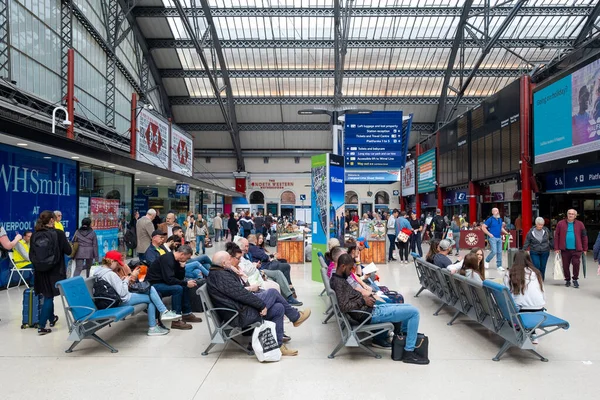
[575, 285]
[157, 331]
[382, 344]
[303, 317]
[169, 315]
[180, 325]
[285, 351]
[535, 341]
[567, 283]
[191, 318]
[293, 302]
[54, 321]
[500, 269]
[286, 338]
[44, 331]
[410, 357]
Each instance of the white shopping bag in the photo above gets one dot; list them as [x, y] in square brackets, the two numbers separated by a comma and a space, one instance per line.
[559, 275]
[264, 343]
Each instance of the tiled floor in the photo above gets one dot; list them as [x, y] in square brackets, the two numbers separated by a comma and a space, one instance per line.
[172, 366]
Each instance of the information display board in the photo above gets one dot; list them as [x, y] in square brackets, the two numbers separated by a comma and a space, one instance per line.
[426, 175]
[152, 139]
[182, 152]
[408, 179]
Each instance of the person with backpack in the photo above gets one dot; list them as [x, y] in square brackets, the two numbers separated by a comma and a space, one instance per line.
[494, 228]
[87, 247]
[247, 224]
[439, 225]
[47, 251]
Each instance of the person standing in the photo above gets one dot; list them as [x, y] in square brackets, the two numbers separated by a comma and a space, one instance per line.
[403, 224]
[259, 223]
[201, 233]
[47, 250]
[232, 225]
[391, 233]
[439, 225]
[57, 224]
[415, 239]
[144, 229]
[225, 218]
[571, 241]
[455, 227]
[87, 252]
[169, 224]
[539, 244]
[493, 227]
[218, 227]
[246, 224]
[190, 233]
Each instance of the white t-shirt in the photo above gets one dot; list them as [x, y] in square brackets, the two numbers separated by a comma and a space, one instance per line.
[391, 225]
[533, 298]
[2, 231]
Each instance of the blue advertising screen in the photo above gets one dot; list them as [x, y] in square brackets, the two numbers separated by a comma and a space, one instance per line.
[566, 115]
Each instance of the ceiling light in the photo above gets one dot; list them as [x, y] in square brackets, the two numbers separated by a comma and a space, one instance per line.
[47, 158]
[137, 172]
[22, 144]
[111, 166]
[137, 179]
[75, 158]
[158, 177]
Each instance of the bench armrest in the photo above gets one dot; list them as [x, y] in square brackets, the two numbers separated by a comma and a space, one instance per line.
[362, 312]
[87, 317]
[105, 298]
[543, 319]
[235, 313]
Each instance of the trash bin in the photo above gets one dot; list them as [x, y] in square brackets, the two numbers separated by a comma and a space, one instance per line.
[511, 256]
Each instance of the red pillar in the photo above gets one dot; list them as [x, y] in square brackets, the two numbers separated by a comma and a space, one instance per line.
[473, 193]
[171, 148]
[440, 198]
[133, 128]
[526, 170]
[417, 197]
[71, 92]
[240, 185]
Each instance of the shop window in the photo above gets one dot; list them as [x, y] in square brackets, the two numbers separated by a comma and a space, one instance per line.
[257, 198]
[288, 197]
[351, 197]
[382, 198]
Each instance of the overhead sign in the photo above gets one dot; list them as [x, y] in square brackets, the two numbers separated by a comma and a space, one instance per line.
[426, 172]
[574, 179]
[408, 179]
[152, 140]
[272, 184]
[396, 193]
[182, 152]
[182, 188]
[302, 197]
[370, 177]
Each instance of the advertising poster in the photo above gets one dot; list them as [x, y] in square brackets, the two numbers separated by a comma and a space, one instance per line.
[336, 197]
[105, 221]
[152, 140]
[426, 172]
[182, 152]
[320, 205]
[408, 179]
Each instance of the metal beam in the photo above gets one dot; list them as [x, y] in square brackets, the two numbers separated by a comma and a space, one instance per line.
[66, 41]
[112, 17]
[260, 153]
[458, 38]
[360, 43]
[349, 101]
[4, 40]
[587, 28]
[341, 27]
[278, 127]
[147, 12]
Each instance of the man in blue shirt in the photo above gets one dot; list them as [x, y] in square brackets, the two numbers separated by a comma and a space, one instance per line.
[493, 227]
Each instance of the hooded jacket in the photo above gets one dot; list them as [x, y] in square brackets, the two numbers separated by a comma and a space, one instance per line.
[88, 244]
[535, 245]
[120, 286]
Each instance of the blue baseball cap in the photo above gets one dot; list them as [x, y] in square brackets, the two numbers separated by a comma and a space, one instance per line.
[363, 241]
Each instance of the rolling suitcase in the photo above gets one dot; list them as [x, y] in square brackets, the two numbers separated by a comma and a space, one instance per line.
[32, 308]
[273, 239]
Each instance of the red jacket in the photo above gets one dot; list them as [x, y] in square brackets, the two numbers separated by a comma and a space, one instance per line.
[560, 236]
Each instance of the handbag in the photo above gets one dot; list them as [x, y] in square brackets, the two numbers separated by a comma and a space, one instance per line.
[559, 275]
[421, 347]
[403, 235]
[142, 287]
[264, 342]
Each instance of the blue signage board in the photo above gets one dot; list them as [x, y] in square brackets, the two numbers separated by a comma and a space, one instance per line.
[426, 172]
[573, 179]
[148, 191]
[455, 197]
[370, 177]
[302, 197]
[555, 181]
[30, 184]
[140, 203]
[182, 189]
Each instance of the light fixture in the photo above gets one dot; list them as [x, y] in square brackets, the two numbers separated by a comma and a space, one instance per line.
[111, 166]
[158, 177]
[137, 172]
[47, 158]
[66, 122]
[75, 158]
[22, 144]
[137, 179]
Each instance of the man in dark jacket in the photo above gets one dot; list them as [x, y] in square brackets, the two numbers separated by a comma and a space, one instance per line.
[156, 248]
[571, 240]
[259, 223]
[350, 299]
[167, 275]
[439, 224]
[226, 291]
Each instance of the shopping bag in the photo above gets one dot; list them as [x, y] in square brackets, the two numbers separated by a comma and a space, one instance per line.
[264, 343]
[559, 275]
[402, 237]
[236, 238]
[449, 234]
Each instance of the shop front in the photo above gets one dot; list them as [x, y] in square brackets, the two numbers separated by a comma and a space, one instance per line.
[456, 201]
[506, 197]
[428, 203]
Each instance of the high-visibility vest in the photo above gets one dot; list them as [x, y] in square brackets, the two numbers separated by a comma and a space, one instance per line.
[20, 261]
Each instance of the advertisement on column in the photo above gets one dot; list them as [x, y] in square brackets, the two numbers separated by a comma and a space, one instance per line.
[336, 197]
[105, 222]
[152, 140]
[426, 172]
[320, 206]
[182, 152]
[408, 179]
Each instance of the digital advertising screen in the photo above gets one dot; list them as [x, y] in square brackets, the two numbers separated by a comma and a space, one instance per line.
[426, 172]
[566, 118]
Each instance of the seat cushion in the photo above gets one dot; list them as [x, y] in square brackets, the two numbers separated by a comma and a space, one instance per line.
[530, 320]
[116, 314]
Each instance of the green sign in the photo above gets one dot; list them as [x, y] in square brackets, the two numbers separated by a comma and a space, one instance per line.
[426, 172]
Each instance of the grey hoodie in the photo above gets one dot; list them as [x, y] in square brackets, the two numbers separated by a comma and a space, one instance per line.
[121, 286]
[535, 245]
[88, 244]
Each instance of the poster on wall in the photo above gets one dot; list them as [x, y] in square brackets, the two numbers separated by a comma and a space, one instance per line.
[408, 179]
[182, 152]
[426, 172]
[336, 197]
[152, 140]
[105, 221]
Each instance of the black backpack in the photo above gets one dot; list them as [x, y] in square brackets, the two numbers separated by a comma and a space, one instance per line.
[105, 296]
[44, 252]
[130, 239]
[440, 223]
[247, 225]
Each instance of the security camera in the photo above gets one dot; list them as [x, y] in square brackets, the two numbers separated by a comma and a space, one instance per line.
[66, 122]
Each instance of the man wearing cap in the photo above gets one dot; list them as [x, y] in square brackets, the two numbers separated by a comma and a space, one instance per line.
[493, 227]
[441, 258]
[156, 248]
[143, 230]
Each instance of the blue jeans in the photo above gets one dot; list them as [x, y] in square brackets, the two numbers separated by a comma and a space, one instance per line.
[405, 313]
[218, 234]
[200, 241]
[154, 303]
[495, 250]
[47, 313]
[392, 239]
[277, 307]
[456, 238]
[180, 297]
[539, 261]
[193, 269]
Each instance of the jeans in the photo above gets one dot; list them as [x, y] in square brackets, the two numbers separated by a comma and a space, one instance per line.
[405, 313]
[154, 303]
[495, 250]
[81, 265]
[456, 238]
[279, 266]
[539, 261]
[415, 243]
[193, 269]
[279, 278]
[47, 313]
[277, 307]
[392, 239]
[218, 234]
[180, 297]
[571, 257]
[200, 241]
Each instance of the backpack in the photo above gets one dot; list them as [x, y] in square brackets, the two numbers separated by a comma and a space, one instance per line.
[247, 225]
[105, 296]
[130, 239]
[44, 251]
[440, 223]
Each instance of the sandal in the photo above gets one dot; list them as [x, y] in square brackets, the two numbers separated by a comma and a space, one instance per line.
[44, 331]
[54, 321]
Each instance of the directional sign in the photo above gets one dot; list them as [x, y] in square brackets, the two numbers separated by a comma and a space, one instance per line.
[302, 197]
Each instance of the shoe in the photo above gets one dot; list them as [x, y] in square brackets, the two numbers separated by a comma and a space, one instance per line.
[293, 302]
[456, 253]
[500, 269]
[157, 331]
[169, 315]
[535, 341]
[191, 318]
[575, 285]
[382, 344]
[286, 338]
[568, 283]
[54, 321]
[180, 325]
[285, 351]
[303, 317]
[410, 357]
[44, 331]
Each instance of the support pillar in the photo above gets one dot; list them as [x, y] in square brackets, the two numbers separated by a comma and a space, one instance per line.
[133, 128]
[71, 92]
[473, 194]
[440, 198]
[417, 196]
[526, 169]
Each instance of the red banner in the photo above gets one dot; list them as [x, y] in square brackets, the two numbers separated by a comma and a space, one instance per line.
[104, 213]
[471, 239]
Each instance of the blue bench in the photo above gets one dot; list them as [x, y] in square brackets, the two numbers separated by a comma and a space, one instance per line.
[490, 304]
[83, 318]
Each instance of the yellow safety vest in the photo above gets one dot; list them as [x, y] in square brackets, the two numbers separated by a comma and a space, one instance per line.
[20, 261]
[59, 226]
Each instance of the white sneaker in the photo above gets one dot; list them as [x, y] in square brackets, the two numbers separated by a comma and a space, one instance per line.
[500, 269]
[169, 315]
[157, 331]
[535, 341]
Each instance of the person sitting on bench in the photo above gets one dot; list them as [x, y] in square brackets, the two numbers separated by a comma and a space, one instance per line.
[267, 262]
